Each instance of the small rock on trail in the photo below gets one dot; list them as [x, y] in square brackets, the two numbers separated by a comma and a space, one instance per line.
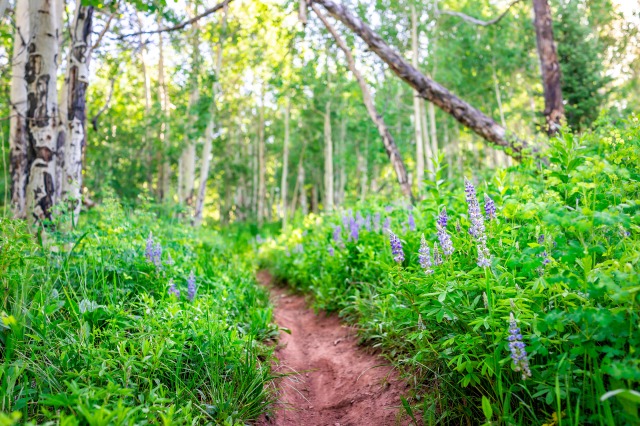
[333, 381]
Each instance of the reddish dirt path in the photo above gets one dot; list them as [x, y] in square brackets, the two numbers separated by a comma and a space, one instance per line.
[334, 382]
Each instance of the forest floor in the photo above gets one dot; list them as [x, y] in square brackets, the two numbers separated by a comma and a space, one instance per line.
[329, 380]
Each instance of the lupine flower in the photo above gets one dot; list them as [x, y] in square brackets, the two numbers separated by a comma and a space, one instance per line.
[388, 209]
[541, 239]
[156, 255]
[475, 217]
[483, 255]
[458, 227]
[437, 257]
[424, 256]
[489, 207]
[354, 230]
[442, 218]
[149, 248]
[331, 251]
[445, 240]
[169, 259]
[359, 220]
[387, 224]
[376, 222]
[396, 247]
[367, 223]
[411, 222]
[191, 286]
[173, 290]
[337, 232]
[345, 220]
[517, 348]
[545, 258]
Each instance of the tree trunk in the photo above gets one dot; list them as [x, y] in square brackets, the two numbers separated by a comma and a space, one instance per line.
[342, 173]
[165, 170]
[42, 109]
[74, 110]
[429, 89]
[3, 7]
[388, 141]
[18, 142]
[147, 103]
[549, 66]
[210, 132]
[328, 160]
[262, 188]
[303, 193]
[285, 166]
[433, 129]
[417, 121]
[363, 168]
[428, 154]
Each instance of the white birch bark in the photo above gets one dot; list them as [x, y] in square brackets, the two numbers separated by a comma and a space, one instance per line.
[342, 174]
[3, 7]
[74, 112]
[328, 160]
[433, 131]
[417, 122]
[18, 141]
[42, 109]
[165, 167]
[428, 154]
[304, 206]
[262, 188]
[285, 166]
[210, 132]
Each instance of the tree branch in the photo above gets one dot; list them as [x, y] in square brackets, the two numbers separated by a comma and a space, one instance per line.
[183, 24]
[103, 32]
[94, 120]
[432, 91]
[471, 19]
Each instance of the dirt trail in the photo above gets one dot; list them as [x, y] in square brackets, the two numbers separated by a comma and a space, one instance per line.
[337, 382]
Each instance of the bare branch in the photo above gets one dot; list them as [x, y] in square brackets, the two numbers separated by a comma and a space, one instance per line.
[183, 24]
[94, 120]
[104, 31]
[471, 19]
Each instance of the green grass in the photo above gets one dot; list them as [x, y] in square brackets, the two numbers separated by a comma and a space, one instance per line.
[574, 292]
[92, 336]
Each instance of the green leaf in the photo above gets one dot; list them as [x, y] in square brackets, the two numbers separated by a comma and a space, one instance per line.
[486, 408]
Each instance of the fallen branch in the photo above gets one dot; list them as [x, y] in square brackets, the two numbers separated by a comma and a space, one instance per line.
[180, 26]
[432, 91]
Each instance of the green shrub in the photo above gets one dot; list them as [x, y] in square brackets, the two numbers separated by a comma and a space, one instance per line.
[564, 262]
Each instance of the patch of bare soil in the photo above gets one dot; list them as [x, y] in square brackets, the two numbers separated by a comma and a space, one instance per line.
[333, 381]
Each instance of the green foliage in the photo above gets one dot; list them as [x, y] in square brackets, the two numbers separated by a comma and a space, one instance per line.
[580, 53]
[565, 262]
[92, 336]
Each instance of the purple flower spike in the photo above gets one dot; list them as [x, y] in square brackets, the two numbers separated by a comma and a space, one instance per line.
[475, 216]
[173, 290]
[437, 257]
[191, 286]
[376, 222]
[337, 231]
[387, 224]
[331, 251]
[354, 230]
[489, 207]
[518, 349]
[396, 247]
[424, 256]
[149, 248]
[411, 222]
[442, 218]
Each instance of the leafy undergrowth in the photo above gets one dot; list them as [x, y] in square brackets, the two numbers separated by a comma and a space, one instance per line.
[561, 281]
[131, 329]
